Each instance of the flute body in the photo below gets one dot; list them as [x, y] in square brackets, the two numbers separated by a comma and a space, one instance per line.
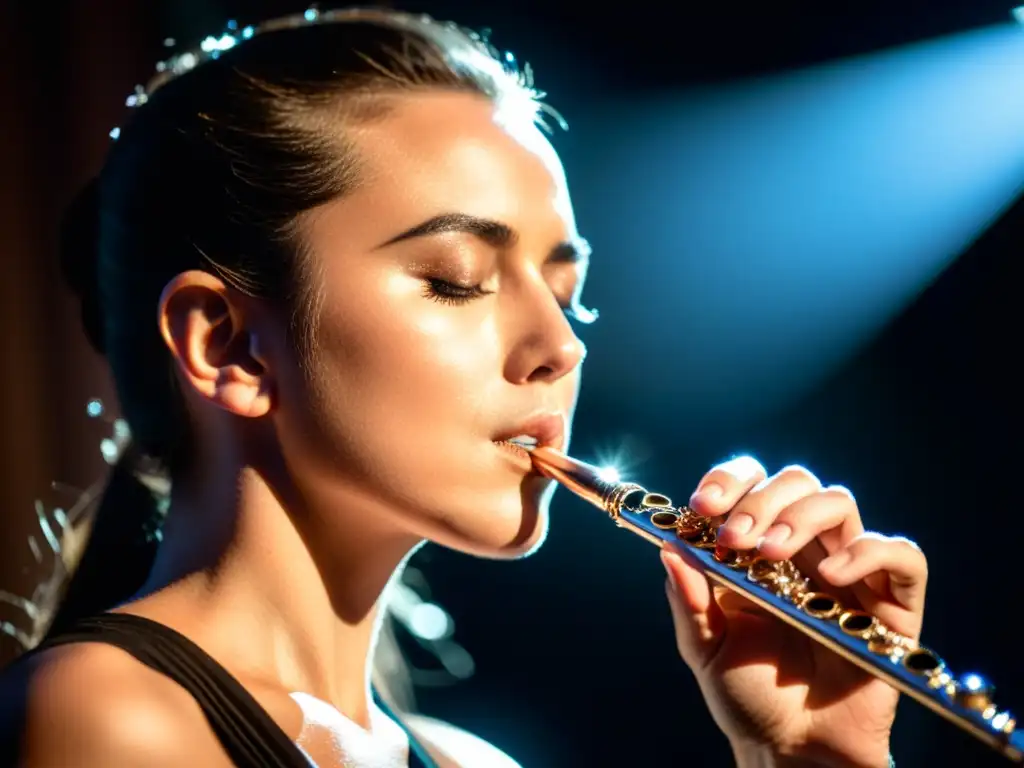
[781, 590]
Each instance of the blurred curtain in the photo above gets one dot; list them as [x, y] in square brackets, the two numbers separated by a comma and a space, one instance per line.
[65, 69]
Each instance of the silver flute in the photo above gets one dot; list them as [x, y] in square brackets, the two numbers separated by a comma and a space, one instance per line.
[781, 590]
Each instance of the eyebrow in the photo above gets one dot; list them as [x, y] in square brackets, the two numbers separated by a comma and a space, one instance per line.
[495, 233]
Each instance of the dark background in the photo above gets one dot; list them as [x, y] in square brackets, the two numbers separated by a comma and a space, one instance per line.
[573, 647]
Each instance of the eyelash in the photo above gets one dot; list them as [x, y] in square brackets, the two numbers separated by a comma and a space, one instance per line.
[447, 292]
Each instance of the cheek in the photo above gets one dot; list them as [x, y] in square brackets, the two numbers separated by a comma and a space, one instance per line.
[399, 374]
[414, 358]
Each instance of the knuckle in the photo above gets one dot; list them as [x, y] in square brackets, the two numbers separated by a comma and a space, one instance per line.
[799, 474]
[903, 541]
[840, 492]
[742, 468]
[866, 542]
[913, 552]
[882, 547]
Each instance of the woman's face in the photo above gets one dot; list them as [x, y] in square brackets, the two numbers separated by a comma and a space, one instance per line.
[444, 282]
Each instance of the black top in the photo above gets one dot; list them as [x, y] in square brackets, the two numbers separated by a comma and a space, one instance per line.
[246, 731]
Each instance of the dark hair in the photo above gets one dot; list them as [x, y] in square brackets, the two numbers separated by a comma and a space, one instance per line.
[212, 172]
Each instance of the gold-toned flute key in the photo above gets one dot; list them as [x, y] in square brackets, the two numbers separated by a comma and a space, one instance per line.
[780, 589]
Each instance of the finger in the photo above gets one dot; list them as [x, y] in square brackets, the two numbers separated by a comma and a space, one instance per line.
[752, 515]
[829, 515]
[900, 559]
[698, 620]
[726, 484]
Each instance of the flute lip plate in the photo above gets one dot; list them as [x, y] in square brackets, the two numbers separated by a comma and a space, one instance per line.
[583, 479]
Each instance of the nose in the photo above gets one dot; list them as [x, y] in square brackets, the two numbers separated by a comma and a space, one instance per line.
[544, 346]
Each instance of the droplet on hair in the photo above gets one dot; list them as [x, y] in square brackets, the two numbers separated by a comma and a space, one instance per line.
[95, 407]
[138, 98]
[429, 622]
[121, 430]
[109, 450]
[33, 547]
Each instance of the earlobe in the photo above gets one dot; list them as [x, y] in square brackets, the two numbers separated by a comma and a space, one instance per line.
[241, 391]
[217, 357]
[243, 386]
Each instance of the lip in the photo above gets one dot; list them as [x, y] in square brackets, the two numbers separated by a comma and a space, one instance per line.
[547, 428]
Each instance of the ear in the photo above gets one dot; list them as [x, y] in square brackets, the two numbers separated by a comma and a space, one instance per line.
[203, 324]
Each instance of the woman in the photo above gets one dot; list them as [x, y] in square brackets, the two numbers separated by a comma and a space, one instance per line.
[335, 269]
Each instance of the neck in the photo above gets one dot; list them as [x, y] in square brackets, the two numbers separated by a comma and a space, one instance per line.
[267, 585]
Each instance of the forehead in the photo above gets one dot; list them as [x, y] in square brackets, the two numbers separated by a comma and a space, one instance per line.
[447, 151]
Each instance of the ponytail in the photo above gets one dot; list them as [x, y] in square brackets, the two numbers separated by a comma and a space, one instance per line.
[120, 551]
[121, 547]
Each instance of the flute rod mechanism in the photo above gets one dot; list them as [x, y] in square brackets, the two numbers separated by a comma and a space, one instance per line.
[781, 590]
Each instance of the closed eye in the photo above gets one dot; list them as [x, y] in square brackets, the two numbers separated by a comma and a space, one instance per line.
[447, 292]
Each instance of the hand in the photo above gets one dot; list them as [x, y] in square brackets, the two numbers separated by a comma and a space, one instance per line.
[773, 691]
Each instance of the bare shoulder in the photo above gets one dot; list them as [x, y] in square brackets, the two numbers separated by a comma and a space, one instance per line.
[453, 747]
[90, 704]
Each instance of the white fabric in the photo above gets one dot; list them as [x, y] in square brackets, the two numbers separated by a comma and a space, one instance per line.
[324, 728]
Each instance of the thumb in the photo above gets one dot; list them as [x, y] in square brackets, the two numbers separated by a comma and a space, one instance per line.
[698, 619]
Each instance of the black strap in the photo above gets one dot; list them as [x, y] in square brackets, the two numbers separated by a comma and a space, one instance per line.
[246, 731]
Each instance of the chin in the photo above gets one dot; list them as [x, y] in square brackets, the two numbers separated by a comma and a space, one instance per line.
[516, 549]
[527, 542]
[511, 527]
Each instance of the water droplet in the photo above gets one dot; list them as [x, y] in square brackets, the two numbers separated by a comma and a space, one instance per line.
[109, 450]
[429, 622]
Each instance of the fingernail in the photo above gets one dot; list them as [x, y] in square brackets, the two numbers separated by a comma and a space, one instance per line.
[775, 535]
[706, 495]
[739, 524]
[834, 562]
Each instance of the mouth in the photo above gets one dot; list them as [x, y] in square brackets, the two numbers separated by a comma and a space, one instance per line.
[544, 430]
[519, 450]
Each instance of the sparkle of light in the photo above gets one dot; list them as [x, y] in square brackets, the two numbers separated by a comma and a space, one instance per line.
[429, 622]
[109, 450]
[217, 44]
[974, 682]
